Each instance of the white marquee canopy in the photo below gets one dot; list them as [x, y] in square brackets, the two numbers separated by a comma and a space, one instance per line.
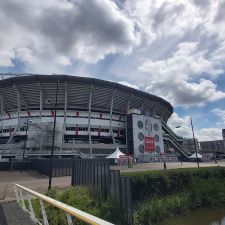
[116, 154]
[193, 156]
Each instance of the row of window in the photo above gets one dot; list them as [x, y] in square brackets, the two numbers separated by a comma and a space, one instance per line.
[86, 129]
[98, 118]
[93, 129]
[7, 130]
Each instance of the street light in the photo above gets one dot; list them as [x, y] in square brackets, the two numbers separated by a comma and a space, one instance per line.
[49, 101]
[193, 133]
[214, 157]
[27, 125]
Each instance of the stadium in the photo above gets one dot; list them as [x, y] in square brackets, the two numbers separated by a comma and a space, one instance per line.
[93, 116]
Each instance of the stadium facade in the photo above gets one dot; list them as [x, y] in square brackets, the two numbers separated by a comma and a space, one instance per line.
[92, 117]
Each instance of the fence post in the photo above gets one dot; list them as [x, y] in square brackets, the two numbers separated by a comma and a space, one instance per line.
[44, 215]
[22, 199]
[126, 197]
[69, 219]
[30, 207]
[17, 195]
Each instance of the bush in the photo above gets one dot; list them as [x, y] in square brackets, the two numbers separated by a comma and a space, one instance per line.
[87, 199]
[149, 184]
[199, 192]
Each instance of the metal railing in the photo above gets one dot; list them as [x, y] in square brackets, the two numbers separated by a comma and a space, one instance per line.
[69, 210]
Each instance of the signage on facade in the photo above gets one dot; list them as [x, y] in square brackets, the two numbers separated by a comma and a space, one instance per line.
[149, 144]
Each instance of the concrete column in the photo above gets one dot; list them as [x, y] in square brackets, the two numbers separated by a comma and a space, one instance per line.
[2, 109]
[142, 105]
[89, 118]
[128, 103]
[18, 107]
[163, 114]
[128, 107]
[111, 112]
[65, 110]
[41, 100]
[155, 108]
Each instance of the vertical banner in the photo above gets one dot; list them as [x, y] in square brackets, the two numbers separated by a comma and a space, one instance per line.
[149, 144]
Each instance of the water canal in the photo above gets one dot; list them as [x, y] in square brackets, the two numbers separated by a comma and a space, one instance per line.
[202, 216]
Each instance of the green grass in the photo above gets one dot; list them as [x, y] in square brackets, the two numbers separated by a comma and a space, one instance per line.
[199, 193]
[86, 199]
[156, 195]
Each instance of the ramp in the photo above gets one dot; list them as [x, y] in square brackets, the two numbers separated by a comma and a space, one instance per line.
[12, 214]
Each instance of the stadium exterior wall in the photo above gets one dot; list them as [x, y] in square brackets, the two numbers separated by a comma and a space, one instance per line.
[91, 113]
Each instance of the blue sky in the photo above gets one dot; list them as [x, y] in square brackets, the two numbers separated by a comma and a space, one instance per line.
[173, 49]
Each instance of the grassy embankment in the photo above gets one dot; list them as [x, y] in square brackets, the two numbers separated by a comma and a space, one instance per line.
[86, 199]
[156, 195]
[160, 194]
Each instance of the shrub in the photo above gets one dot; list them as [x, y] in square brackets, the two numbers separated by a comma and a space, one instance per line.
[199, 192]
[87, 199]
[149, 184]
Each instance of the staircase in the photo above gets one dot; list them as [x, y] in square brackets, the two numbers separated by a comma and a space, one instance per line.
[173, 139]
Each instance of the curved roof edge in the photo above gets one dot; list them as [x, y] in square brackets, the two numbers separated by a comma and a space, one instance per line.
[26, 78]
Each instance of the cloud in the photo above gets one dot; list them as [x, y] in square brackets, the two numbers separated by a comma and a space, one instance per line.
[129, 85]
[183, 123]
[221, 113]
[60, 31]
[204, 134]
[209, 134]
[183, 49]
[172, 77]
[175, 121]
[174, 49]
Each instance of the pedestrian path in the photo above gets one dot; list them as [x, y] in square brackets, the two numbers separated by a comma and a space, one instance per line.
[12, 214]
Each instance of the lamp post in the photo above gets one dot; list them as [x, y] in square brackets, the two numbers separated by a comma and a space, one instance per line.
[213, 151]
[49, 101]
[193, 134]
[24, 149]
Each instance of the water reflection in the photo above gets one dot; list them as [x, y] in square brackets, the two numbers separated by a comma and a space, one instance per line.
[203, 216]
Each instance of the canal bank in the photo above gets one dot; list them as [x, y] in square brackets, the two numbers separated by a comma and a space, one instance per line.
[202, 216]
[163, 194]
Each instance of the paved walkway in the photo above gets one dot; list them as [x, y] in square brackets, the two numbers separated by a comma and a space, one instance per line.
[39, 183]
[12, 214]
[29, 179]
[170, 165]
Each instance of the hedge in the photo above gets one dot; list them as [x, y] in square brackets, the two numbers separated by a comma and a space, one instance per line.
[149, 184]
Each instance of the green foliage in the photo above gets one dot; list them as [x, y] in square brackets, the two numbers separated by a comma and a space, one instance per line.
[156, 194]
[149, 184]
[87, 199]
[199, 192]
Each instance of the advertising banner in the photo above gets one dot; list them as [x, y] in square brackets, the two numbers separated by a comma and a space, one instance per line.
[149, 144]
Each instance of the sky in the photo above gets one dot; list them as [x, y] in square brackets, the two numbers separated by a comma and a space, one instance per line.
[172, 49]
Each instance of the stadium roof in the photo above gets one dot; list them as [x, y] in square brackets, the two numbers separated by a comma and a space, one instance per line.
[77, 91]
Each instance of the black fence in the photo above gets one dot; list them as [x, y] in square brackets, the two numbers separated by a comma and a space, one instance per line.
[91, 172]
[15, 165]
[97, 173]
[61, 167]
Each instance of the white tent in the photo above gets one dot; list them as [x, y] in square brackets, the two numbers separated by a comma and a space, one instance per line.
[193, 156]
[116, 154]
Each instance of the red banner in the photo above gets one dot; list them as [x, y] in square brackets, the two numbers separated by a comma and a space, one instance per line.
[149, 144]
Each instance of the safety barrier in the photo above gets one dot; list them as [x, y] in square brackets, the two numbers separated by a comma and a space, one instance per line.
[69, 210]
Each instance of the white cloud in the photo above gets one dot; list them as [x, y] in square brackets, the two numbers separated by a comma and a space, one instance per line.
[174, 49]
[183, 49]
[129, 85]
[58, 31]
[204, 134]
[209, 134]
[171, 78]
[175, 121]
[221, 113]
